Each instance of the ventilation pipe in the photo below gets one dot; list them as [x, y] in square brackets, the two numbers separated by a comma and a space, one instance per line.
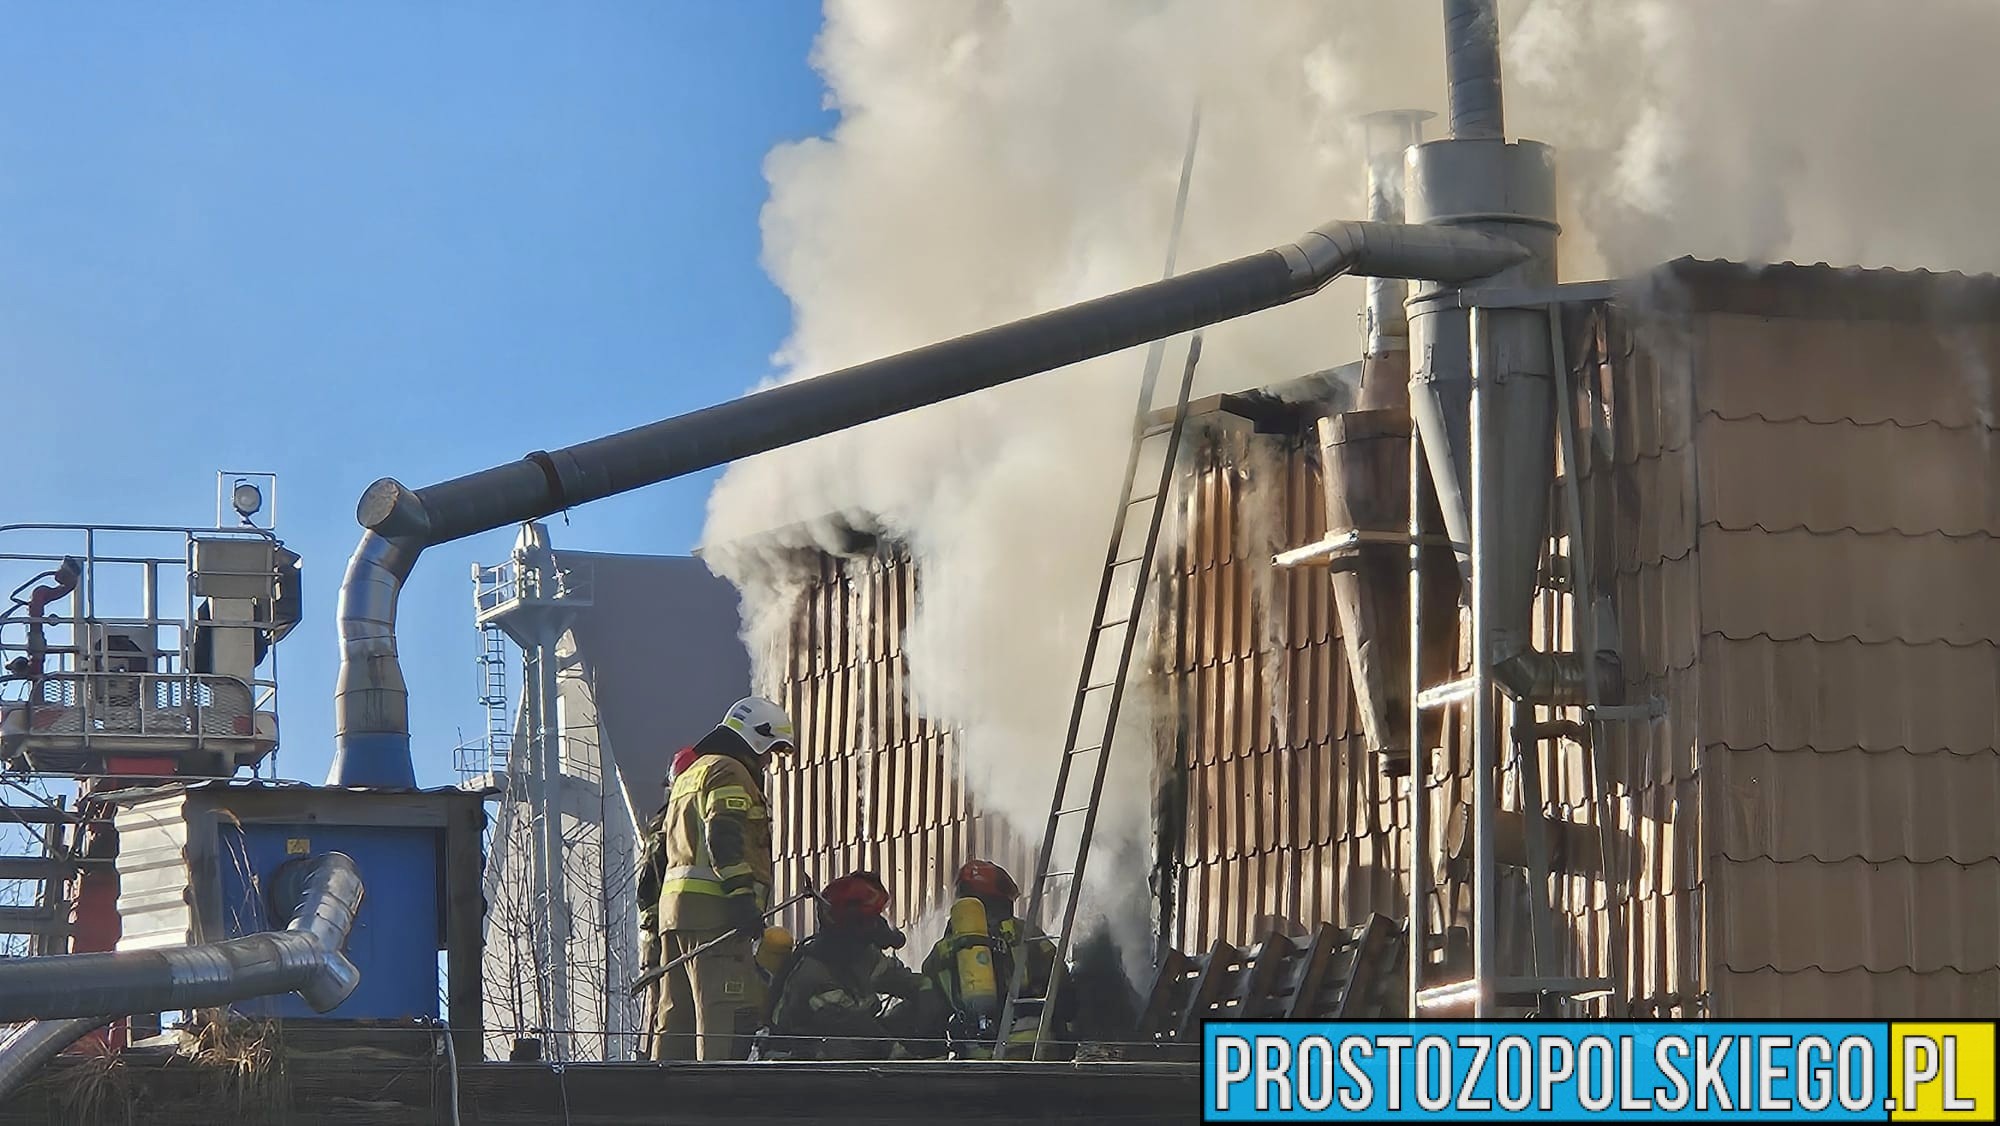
[1472, 69]
[1364, 462]
[372, 746]
[66, 996]
[1479, 182]
[1385, 364]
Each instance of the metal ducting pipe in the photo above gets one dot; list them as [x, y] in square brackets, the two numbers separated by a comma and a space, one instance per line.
[372, 744]
[1472, 69]
[68, 995]
[33, 1045]
[371, 704]
[1385, 351]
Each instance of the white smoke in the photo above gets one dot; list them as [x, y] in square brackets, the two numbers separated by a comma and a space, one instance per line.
[996, 158]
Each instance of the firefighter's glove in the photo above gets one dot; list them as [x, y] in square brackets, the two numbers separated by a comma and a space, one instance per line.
[745, 917]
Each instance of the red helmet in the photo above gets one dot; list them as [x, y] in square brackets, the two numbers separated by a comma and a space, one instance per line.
[855, 898]
[984, 879]
[681, 762]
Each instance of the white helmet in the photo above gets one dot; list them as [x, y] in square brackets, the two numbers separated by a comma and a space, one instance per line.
[762, 725]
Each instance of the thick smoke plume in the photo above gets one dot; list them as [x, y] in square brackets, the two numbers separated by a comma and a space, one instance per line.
[994, 159]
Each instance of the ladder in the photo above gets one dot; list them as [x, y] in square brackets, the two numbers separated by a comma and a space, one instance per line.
[493, 698]
[1149, 465]
[42, 925]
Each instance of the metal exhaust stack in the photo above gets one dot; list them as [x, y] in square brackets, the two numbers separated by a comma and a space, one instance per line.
[1385, 324]
[371, 712]
[1478, 181]
[1364, 462]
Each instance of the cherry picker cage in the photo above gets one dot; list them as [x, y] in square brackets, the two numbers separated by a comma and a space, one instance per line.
[132, 654]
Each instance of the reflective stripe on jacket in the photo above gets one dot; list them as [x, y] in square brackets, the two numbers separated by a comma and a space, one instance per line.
[717, 837]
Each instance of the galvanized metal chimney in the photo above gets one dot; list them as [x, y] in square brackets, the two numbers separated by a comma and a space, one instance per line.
[1478, 181]
[1365, 466]
[1385, 325]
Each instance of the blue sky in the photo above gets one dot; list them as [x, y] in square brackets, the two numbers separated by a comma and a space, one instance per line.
[341, 242]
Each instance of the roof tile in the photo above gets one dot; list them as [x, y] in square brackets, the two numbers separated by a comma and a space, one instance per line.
[1853, 914]
[1837, 585]
[1829, 695]
[1831, 476]
[1868, 371]
[1853, 804]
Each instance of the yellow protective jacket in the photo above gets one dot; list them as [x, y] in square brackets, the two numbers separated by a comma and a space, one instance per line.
[716, 837]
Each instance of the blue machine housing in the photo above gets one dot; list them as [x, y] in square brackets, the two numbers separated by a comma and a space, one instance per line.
[197, 864]
[397, 934]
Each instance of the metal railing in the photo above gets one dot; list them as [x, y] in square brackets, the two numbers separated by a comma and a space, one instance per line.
[512, 581]
[116, 655]
[189, 707]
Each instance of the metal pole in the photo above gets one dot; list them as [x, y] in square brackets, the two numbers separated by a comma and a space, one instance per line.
[1484, 870]
[535, 787]
[1420, 873]
[549, 823]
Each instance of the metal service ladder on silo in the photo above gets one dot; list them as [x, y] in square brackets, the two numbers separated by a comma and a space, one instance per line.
[1150, 440]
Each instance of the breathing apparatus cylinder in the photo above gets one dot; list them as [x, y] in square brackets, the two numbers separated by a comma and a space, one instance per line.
[978, 990]
[773, 950]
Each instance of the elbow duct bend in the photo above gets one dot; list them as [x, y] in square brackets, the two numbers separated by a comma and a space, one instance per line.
[371, 703]
[68, 995]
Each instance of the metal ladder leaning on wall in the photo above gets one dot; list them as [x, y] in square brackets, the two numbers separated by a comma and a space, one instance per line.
[1150, 440]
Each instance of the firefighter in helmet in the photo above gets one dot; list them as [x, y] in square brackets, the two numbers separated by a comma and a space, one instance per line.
[652, 866]
[842, 995]
[972, 966]
[715, 881]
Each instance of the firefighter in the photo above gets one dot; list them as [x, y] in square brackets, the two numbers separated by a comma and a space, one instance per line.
[715, 881]
[842, 995]
[972, 966]
[652, 864]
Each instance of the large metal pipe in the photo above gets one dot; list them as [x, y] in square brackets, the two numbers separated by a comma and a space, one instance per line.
[33, 1045]
[545, 483]
[372, 745]
[67, 995]
[371, 704]
[1472, 69]
[1385, 370]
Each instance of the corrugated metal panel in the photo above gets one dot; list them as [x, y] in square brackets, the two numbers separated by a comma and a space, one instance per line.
[1287, 816]
[874, 785]
[155, 902]
[1857, 914]
[1834, 586]
[1906, 373]
[1847, 665]
[1846, 476]
[1880, 807]
[1832, 695]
